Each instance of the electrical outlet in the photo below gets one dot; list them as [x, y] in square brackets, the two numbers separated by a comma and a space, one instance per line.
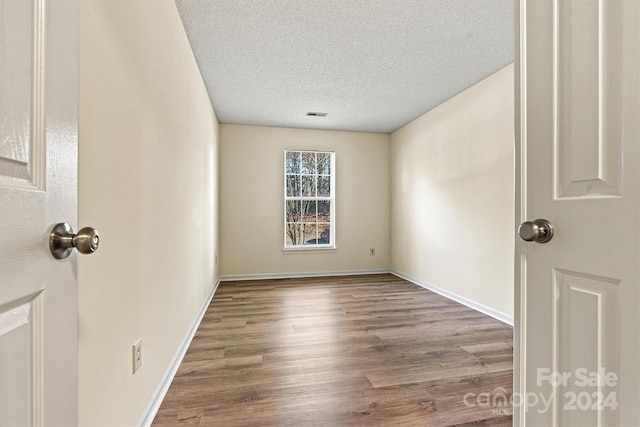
[137, 355]
[372, 251]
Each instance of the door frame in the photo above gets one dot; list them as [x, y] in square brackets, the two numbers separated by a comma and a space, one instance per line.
[520, 153]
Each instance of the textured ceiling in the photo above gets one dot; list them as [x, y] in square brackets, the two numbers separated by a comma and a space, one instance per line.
[372, 65]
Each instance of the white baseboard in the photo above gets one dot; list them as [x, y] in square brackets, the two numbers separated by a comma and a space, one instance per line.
[298, 275]
[152, 408]
[504, 318]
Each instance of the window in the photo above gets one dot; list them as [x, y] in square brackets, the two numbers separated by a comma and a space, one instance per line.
[309, 201]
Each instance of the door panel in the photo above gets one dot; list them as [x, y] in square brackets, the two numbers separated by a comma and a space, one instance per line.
[38, 188]
[578, 167]
[586, 321]
[20, 333]
[587, 65]
[21, 125]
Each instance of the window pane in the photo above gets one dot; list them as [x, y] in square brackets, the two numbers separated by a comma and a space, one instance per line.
[310, 232]
[324, 163]
[308, 186]
[308, 178]
[324, 233]
[293, 234]
[324, 211]
[309, 210]
[324, 186]
[293, 162]
[294, 211]
[293, 186]
[308, 163]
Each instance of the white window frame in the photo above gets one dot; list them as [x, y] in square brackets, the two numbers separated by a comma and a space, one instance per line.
[331, 199]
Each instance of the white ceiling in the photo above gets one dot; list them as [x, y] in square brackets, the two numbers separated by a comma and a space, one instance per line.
[372, 65]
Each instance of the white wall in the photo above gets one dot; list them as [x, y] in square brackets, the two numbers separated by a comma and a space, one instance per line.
[148, 142]
[251, 201]
[452, 195]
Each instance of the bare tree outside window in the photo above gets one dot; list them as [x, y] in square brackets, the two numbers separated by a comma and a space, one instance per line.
[309, 199]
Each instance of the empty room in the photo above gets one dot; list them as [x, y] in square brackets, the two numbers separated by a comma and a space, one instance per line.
[304, 213]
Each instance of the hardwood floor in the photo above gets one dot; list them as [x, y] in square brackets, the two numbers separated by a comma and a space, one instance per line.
[371, 350]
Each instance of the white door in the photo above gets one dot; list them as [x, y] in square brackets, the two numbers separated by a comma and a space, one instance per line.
[578, 164]
[38, 187]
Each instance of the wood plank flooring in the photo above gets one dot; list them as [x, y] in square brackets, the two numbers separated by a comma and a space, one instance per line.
[371, 350]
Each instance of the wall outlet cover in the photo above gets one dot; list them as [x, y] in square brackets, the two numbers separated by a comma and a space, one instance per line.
[137, 355]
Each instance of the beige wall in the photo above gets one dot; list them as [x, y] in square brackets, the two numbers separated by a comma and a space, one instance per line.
[148, 141]
[453, 195]
[251, 201]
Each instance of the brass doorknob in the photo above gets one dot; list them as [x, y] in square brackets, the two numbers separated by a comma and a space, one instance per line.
[540, 231]
[62, 240]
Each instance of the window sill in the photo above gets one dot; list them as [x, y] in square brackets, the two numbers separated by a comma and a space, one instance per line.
[303, 250]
